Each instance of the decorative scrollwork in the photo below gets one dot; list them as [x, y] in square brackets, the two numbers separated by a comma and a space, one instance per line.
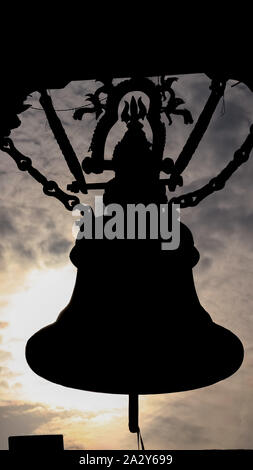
[173, 102]
[106, 114]
[110, 117]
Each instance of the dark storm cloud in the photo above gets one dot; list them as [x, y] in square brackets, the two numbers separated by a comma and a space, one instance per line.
[32, 232]
[225, 133]
[225, 136]
[7, 228]
[169, 430]
[1, 255]
[15, 243]
[24, 252]
[55, 250]
[217, 219]
[56, 246]
[218, 226]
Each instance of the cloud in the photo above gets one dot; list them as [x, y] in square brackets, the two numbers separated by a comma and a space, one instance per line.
[5, 356]
[4, 384]
[19, 418]
[7, 227]
[6, 373]
[36, 231]
[173, 432]
[56, 246]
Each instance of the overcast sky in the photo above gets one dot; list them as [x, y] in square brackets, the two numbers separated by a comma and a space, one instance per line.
[37, 279]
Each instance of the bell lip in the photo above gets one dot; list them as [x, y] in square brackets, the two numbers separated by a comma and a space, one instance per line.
[145, 389]
[139, 391]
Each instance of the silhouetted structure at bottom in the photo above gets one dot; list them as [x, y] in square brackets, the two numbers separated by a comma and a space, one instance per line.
[36, 443]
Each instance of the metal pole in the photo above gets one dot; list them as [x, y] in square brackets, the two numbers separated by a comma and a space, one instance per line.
[133, 412]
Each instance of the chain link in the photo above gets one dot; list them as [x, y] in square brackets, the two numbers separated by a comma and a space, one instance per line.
[216, 184]
[50, 188]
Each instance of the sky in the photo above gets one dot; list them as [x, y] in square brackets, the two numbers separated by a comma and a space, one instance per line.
[37, 279]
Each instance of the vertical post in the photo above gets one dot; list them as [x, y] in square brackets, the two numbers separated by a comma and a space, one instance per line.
[63, 140]
[133, 412]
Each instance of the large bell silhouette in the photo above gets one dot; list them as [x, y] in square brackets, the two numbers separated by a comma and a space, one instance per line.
[134, 323]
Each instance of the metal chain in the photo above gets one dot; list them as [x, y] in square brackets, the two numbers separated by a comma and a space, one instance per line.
[240, 156]
[50, 188]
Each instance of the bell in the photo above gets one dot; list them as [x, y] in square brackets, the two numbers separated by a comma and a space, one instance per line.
[134, 324]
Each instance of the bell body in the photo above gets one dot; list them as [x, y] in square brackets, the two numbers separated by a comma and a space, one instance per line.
[134, 323]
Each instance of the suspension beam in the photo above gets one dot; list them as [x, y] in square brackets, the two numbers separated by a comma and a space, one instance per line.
[62, 140]
[217, 91]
